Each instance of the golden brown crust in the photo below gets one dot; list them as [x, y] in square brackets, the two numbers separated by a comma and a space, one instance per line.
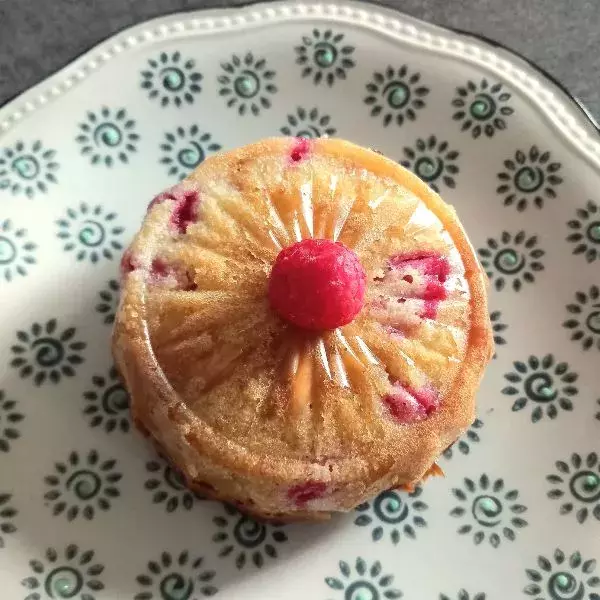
[404, 454]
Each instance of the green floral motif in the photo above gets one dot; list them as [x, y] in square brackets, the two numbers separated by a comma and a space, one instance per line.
[80, 486]
[562, 578]
[47, 354]
[396, 94]
[109, 301]
[323, 56]
[7, 515]
[530, 177]
[168, 486]
[9, 419]
[247, 83]
[247, 539]
[491, 509]
[308, 124]
[511, 258]
[498, 327]
[16, 251]
[185, 149]
[365, 583]
[586, 231]
[585, 318]
[107, 403]
[108, 136]
[432, 161]
[481, 107]
[579, 479]
[175, 578]
[393, 512]
[544, 383]
[465, 442]
[90, 232]
[70, 574]
[464, 595]
[27, 169]
[171, 79]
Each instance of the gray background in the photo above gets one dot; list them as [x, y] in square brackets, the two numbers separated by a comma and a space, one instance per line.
[37, 37]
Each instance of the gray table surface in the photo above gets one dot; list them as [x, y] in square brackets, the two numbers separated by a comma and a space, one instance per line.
[37, 37]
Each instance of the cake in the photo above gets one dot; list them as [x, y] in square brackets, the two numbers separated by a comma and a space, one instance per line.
[303, 324]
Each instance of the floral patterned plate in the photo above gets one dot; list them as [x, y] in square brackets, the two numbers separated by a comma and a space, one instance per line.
[89, 511]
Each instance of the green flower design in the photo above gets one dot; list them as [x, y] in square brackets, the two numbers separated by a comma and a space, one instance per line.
[308, 124]
[175, 578]
[109, 301]
[585, 318]
[16, 251]
[185, 149]
[168, 486]
[464, 595]
[544, 382]
[108, 136]
[47, 354]
[91, 232]
[365, 583]
[586, 231]
[396, 94]
[530, 177]
[393, 512]
[171, 79]
[323, 57]
[498, 327]
[465, 442]
[247, 83]
[9, 418]
[581, 481]
[433, 162]
[490, 508]
[82, 485]
[481, 107]
[559, 578]
[70, 575]
[511, 258]
[7, 515]
[27, 169]
[107, 403]
[247, 539]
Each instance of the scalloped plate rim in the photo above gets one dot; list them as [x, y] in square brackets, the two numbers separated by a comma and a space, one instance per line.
[581, 131]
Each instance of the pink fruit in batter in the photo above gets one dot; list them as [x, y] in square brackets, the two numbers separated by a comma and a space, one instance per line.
[305, 492]
[185, 211]
[300, 150]
[408, 405]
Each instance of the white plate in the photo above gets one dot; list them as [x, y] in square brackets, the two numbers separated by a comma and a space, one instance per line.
[88, 511]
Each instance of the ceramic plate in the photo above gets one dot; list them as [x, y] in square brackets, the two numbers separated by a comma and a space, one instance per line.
[89, 511]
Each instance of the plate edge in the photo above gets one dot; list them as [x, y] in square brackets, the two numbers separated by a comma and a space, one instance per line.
[570, 120]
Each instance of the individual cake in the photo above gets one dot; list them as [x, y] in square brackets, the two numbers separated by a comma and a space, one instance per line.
[303, 324]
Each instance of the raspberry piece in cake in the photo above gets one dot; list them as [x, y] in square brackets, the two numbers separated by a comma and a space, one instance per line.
[300, 150]
[317, 284]
[185, 210]
[407, 405]
[305, 492]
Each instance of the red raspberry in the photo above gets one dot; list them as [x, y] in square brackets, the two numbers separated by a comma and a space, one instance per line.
[185, 210]
[407, 405]
[300, 150]
[317, 284]
[305, 492]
